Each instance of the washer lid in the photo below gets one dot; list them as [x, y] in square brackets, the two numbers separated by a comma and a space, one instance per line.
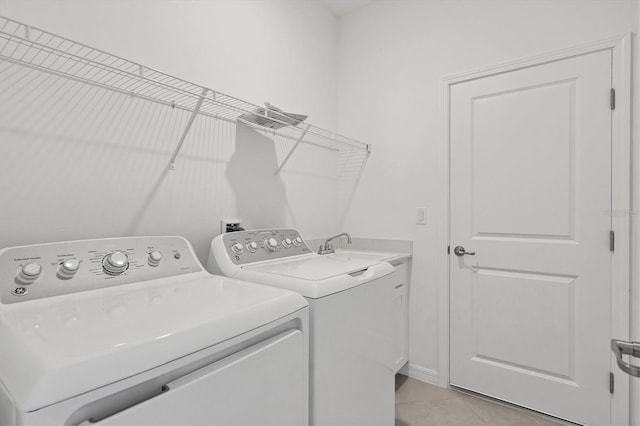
[313, 267]
[316, 276]
[59, 347]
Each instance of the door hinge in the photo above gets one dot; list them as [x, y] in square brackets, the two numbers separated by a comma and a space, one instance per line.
[612, 240]
[612, 101]
[448, 249]
[611, 383]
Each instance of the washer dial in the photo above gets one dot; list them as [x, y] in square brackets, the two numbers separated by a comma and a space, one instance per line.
[155, 257]
[115, 263]
[270, 244]
[29, 273]
[297, 241]
[237, 248]
[68, 268]
[252, 246]
[286, 243]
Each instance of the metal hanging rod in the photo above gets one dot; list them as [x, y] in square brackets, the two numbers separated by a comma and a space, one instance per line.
[23, 45]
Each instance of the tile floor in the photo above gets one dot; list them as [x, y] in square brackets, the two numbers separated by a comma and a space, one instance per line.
[421, 404]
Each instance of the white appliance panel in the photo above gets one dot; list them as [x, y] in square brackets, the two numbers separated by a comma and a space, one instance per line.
[238, 390]
[143, 259]
[351, 369]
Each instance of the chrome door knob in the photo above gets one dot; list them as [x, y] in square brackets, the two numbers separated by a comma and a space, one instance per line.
[621, 347]
[460, 251]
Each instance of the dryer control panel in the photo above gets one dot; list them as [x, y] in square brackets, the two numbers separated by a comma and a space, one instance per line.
[264, 244]
[45, 270]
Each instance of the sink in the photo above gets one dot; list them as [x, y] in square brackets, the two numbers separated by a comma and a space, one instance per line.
[362, 255]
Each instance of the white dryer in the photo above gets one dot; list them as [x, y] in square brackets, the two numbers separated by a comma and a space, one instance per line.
[351, 302]
[134, 331]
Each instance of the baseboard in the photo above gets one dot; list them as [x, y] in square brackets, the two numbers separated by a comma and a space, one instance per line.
[423, 374]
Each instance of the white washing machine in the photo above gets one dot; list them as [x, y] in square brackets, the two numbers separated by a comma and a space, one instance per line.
[351, 302]
[134, 331]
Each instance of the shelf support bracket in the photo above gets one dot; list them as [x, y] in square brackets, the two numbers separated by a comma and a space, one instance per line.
[185, 132]
[298, 142]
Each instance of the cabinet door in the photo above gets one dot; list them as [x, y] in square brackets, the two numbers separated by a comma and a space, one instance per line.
[399, 303]
[401, 316]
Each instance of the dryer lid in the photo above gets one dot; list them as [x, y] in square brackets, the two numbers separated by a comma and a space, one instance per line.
[59, 347]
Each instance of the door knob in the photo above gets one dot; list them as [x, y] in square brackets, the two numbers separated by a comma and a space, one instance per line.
[460, 251]
[632, 349]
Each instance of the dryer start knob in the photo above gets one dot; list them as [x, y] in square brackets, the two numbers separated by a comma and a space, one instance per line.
[270, 244]
[115, 263]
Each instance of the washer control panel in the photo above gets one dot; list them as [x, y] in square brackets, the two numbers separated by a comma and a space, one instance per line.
[45, 270]
[255, 246]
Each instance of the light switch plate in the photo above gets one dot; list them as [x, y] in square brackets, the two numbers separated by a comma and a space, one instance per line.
[421, 215]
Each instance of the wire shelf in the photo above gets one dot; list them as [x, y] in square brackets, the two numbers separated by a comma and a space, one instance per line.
[26, 46]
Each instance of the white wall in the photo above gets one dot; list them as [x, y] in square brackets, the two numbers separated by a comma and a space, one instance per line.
[392, 56]
[78, 162]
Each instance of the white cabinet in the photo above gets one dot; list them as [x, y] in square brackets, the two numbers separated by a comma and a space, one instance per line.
[401, 314]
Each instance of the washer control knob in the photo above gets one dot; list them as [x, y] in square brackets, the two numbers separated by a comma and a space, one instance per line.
[68, 268]
[297, 241]
[29, 273]
[115, 263]
[270, 244]
[155, 257]
[286, 243]
[237, 248]
[252, 246]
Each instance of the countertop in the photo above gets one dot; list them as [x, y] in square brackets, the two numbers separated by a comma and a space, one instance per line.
[394, 258]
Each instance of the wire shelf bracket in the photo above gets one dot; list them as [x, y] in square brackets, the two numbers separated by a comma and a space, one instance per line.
[298, 142]
[185, 132]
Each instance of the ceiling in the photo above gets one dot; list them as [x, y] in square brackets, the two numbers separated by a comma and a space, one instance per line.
[342, 7]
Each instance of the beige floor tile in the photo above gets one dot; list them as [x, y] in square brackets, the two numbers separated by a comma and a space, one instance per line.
[408, 414]
[448, 412]
[422, 404]
[414, 391]
[498, 415]
[549, 421]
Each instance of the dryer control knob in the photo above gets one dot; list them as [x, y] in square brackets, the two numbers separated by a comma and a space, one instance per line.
[252, 246]
[29, 273]
[68, 268]
[286, 243]
[297, 241]
[270, 244]
[155, 257]
[237, 248]
[115, 263]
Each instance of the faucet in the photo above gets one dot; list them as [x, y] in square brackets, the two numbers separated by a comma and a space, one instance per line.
[327, 248]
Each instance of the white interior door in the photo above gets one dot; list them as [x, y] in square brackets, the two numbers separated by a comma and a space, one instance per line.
[530, 192]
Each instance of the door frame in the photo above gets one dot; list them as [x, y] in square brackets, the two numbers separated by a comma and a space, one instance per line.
[620, 206]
